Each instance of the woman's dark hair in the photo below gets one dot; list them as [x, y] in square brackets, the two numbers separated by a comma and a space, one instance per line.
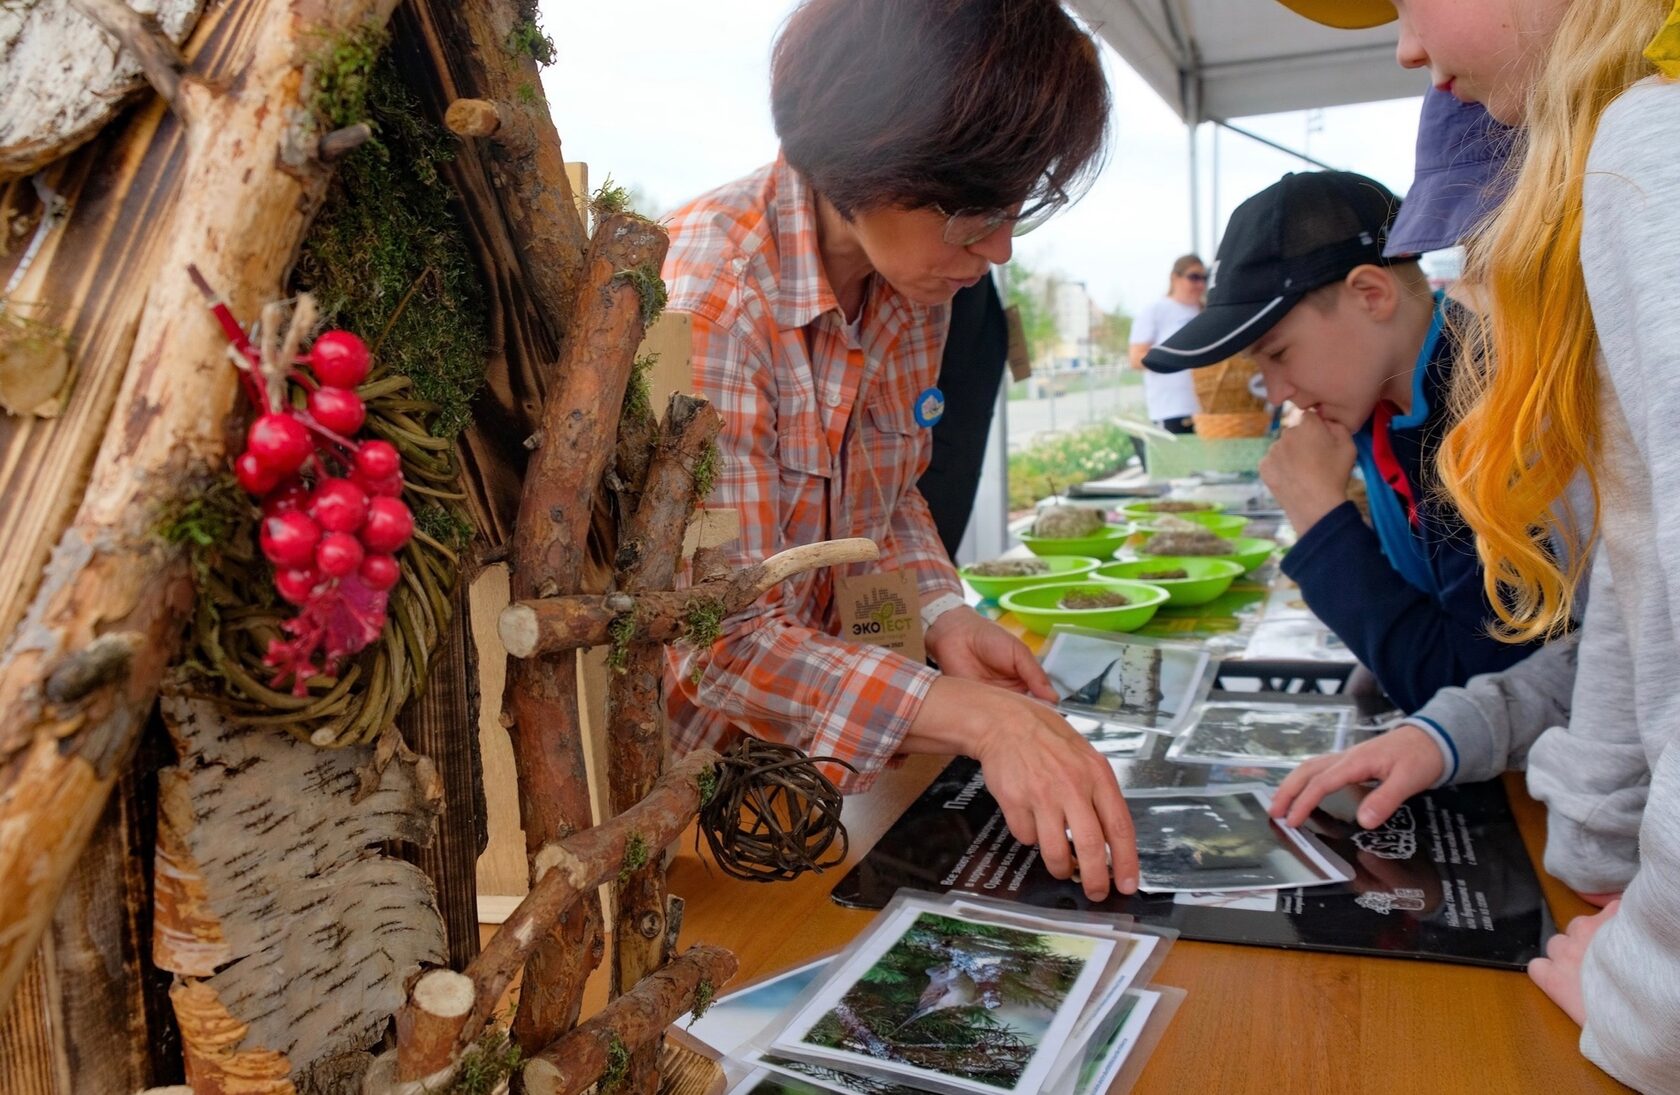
[960, 104]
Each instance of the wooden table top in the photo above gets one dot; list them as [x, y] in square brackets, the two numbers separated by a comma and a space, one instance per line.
[1256, 1019]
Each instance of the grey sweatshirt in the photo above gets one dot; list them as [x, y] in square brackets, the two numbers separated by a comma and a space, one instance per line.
[1597, 715]
[1611, 777]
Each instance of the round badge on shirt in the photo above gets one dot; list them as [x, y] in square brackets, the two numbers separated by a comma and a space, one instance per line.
[930, 407]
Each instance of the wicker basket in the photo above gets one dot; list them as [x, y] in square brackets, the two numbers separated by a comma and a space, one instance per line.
[1225, 427]
[1222, 389]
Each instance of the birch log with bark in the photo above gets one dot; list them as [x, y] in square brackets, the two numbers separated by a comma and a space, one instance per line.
[548, 555]
[271, 904]
[636, 744]
[249, 186]
[62, 77]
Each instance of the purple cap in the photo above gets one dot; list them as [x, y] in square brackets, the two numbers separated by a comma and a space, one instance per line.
[1460, 177]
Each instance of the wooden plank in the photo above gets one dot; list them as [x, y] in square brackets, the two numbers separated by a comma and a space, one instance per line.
[81, 1020]
[577, 173]
[432, 725]
[502, 870]
[31, 1053]
[671, 339]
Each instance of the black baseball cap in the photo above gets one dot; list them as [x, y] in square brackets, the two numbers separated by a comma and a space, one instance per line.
[1302, 232]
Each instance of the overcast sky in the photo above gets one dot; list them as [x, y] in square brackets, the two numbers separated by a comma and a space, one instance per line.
[679, 104]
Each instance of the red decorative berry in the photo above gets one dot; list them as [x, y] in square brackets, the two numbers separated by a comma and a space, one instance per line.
[338, 409]
[339, 554]
[376, 460]
[296, 584]
[289, 539]
[388, 525]
[380, 488]
[287, 496]
[339, 358]
[281, 442]
[254, 476]
[339, 505]
[379, 572]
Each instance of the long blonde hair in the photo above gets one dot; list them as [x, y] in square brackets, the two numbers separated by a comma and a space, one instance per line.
[1526, 392]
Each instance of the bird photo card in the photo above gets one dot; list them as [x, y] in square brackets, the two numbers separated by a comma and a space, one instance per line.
[1127, 682]
[936, 999]
[1270, 735]
[1223, 838]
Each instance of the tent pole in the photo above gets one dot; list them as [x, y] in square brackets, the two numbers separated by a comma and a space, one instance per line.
[1195, 192]
[1213, 195]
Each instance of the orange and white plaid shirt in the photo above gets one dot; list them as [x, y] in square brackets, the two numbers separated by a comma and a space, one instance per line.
[819, 442]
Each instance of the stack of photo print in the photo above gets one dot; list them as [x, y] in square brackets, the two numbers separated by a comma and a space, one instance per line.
[953, 995]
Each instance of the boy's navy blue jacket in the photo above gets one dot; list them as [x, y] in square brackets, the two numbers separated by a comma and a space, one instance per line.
[1405, 595]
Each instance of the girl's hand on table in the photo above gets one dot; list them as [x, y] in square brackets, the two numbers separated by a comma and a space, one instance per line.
[1047, 780]
[1403, 761]
[967, 645]
[1559, 973]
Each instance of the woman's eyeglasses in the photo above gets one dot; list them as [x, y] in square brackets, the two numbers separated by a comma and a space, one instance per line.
[1198, 276]
[967, 227]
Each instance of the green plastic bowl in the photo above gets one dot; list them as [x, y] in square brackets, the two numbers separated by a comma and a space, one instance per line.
[1209, 577]
[1249, 551]
[1220, 524]
[1062, 568]
[1101, 546]
[1252, 552]
[1036, 606]
[1143, 511]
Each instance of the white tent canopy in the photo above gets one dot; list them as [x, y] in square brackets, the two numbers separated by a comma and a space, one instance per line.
[1214, 60]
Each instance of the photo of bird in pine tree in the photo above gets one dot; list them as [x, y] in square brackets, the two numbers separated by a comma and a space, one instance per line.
[965, 999]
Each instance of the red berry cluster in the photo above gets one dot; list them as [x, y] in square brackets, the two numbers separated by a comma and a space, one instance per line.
[333, 516]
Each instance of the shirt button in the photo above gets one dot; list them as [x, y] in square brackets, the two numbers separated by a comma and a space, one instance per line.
[738, 265]
[831, 398]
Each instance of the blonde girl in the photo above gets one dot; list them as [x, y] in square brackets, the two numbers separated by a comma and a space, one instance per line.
[1581, 271]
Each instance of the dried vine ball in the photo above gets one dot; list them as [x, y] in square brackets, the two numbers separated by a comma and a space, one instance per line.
[387, 259]
[772, 815]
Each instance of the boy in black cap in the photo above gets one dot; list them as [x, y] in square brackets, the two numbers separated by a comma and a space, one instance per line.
[1359, 343]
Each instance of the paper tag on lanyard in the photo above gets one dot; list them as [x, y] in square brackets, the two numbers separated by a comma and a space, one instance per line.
[882, 608]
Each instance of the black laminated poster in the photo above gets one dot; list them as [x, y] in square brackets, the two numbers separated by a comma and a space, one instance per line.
[1447, 879]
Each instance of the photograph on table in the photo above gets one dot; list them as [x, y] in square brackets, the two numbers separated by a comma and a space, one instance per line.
[808, 1075]
[1097, 1063]
[1271, 735]
[948, 1003]
[1129, 683]
[1221, 838]
[733, 1020]
[1107, 738]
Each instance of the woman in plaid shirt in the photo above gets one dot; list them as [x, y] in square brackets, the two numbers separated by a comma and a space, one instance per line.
[917, 137]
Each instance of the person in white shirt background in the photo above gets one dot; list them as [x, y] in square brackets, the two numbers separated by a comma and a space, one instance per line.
[1169, 398]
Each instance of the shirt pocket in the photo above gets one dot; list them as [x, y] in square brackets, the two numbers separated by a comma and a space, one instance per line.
[895, 444]
[804, 468]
